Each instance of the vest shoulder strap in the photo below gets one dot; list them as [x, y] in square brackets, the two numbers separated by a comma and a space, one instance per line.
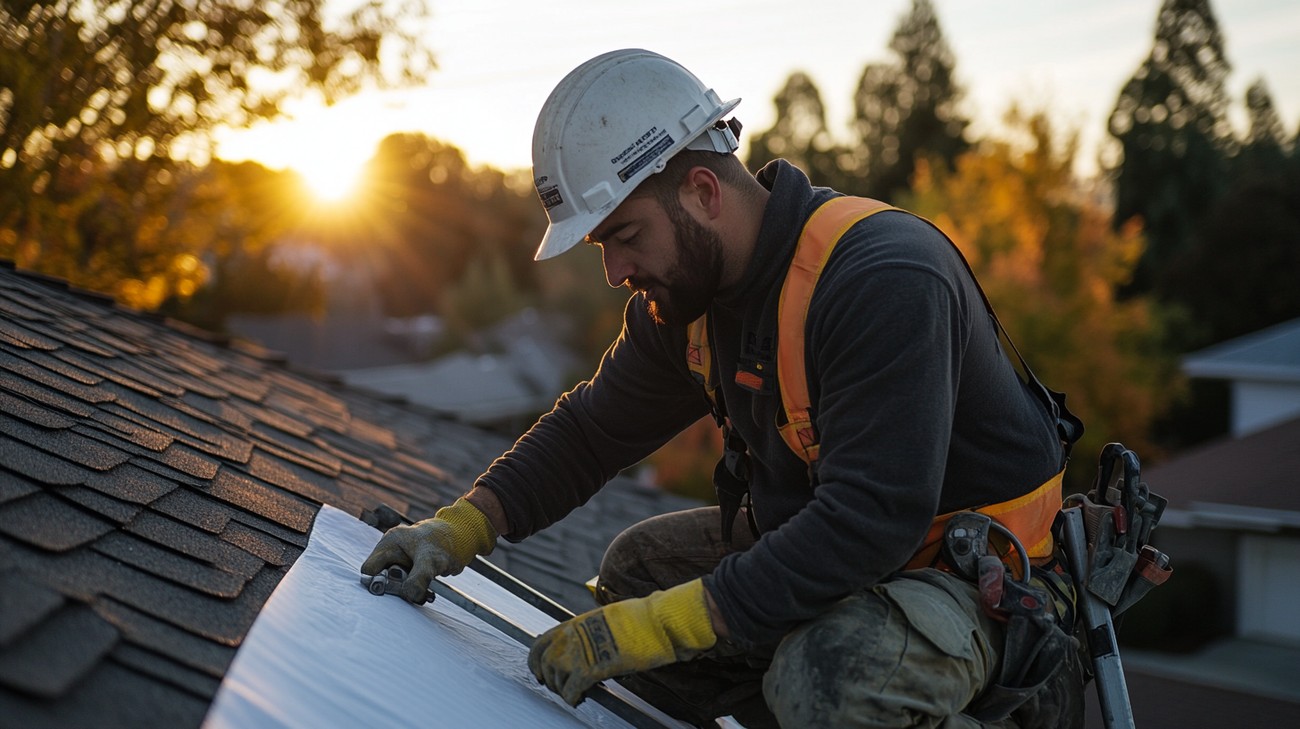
[820, 234]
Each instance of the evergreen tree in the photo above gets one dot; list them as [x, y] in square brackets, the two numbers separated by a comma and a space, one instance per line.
[1263, 154]
[800, 134]
[1238, 273]
[1265, 125]
[907, 109]
[1172, 126]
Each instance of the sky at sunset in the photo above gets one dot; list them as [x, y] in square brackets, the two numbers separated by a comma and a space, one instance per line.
[498, 60]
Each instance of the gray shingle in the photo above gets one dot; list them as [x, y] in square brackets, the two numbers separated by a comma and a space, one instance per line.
[79, 449]
[50, 657]
[14, 487]
[128, 482]
[68, 380]
[260, 498]
[24, 602]
[24, 337]
[29, 520]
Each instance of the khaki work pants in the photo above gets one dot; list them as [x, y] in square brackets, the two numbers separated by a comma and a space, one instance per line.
[913, 651]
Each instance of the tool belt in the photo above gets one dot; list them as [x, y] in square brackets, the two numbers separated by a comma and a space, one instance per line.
[1037, 607]
[1120, 568]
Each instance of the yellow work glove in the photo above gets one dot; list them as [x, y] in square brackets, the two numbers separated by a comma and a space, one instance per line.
[439, 546]
[623, 637]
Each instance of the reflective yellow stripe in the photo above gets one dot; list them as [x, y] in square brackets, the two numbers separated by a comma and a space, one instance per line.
[698, 357]
[1029, 517]
[820, 234]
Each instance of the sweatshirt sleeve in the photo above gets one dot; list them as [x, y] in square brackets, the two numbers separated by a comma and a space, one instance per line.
[640, 396]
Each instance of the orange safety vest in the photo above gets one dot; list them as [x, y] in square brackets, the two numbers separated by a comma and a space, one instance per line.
[1029, 516]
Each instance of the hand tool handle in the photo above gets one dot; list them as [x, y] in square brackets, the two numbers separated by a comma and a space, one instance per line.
[1112, 691]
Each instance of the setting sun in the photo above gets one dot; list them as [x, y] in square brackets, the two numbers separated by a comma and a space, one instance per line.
[330, 180]
[327, 146]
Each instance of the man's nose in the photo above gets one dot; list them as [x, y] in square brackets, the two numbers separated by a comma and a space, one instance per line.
[618, 269]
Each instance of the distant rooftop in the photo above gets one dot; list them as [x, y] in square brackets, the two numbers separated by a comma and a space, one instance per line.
[1257, 471]
[1269, 354]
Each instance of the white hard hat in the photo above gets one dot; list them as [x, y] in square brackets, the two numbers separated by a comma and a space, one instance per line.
[612, 122]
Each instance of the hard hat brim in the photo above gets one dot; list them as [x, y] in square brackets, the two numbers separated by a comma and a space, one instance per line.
[566, 234]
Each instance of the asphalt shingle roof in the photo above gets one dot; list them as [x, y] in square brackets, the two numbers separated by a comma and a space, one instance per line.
[156, 483]
[1260, 470]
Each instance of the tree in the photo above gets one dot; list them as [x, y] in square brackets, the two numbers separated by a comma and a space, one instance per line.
[237, 215]
[432, 216]
[1050, 261]
[89, 86]
[1238, 272]
[800, 134]
[907, 109]
[1265, 125]
[1263, 155]
[1172, 126]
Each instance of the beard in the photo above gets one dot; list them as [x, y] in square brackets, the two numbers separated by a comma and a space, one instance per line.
[690, 285]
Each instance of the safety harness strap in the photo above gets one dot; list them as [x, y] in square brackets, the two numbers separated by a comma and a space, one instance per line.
[820, 234]
[1029, 516]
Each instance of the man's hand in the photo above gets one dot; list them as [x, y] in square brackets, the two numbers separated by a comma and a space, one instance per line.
[623, 637]
[439, 546]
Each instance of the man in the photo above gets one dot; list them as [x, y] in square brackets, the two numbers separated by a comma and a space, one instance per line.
[809, 618]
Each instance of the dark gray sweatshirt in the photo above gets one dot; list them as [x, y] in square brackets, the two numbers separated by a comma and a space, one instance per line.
[918, 410]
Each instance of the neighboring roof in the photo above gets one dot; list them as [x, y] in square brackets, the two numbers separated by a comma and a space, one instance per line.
[1271, 354]
[479, 388]
[156, 483]
[482, 389]
[515, 369]
[1260, 471]
[329, 342]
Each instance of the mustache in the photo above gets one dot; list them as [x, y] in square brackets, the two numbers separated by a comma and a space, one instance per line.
[639, 284]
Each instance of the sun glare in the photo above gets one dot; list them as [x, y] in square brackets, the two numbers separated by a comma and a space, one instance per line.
[330, 180]
[327, 147]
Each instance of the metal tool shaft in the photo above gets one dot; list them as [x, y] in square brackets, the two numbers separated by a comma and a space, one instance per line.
[1112, 691]
[483, 612]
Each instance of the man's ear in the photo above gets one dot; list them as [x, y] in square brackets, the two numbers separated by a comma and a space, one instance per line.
[701, 193]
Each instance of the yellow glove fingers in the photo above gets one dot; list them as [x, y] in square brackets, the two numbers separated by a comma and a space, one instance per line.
[621, 638]
[569, 685]
[569, 657]
[385, 554]
[434, 547]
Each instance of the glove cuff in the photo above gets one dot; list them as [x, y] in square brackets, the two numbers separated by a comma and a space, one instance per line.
[684, 613]
[471, 531]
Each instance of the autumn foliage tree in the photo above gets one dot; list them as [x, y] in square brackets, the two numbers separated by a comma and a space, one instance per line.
[1050, 261]
[444, 236]
[94, 90]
